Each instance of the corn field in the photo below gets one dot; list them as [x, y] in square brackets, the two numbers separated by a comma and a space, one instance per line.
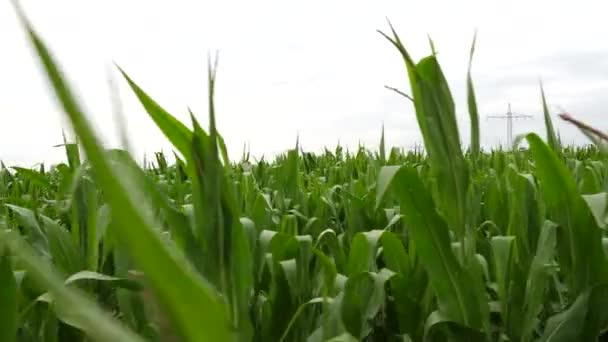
[452, 243]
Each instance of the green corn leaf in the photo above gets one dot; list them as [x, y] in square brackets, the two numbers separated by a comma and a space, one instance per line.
[579, 242]
[346, 337]
[382, 148]
[33, 176]
[408, 302]
[437, 324]
[27, 218]
[65, 313]
[183, 300]
[179, 226]
[590, 182]
[384, 180]
[103, 221]
[437, 121]
[551, 136]
[432, 45]
[329, 239]
[510, 278]
[362, 256]
[282, 302]
[8, 300]
[363, 297]
[72, 153]
[525, 215]
[472, 103]
[597, 313]
[131, 303]
[65, 254]
[312, 302]
[457, 298]
[82, 311]
[394, 254]
[598, 204]
[538, 278]
[223, 150]
[178, 134]
[228, 264]
[577, 323]
[503, 251]
[115, 281]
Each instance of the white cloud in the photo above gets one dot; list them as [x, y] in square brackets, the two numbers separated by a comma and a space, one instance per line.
[317, 68]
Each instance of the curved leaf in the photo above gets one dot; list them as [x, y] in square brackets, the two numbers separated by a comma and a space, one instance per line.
[458, 300]
[581, 256]
[580, 321]
[362, 255]
[538, 278]
[394, 254]
[179, 135]
[437, 323]
[161, 264]
[82, 311]
[363, 296]
[117, 281]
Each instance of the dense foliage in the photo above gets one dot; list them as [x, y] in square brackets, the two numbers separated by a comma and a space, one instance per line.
[341, 246]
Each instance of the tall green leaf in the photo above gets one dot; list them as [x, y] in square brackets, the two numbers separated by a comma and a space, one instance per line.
[538, 279]
[579, 239]
[192, 305]
[551, 136]
[363, 297]
[228, 263]
[472, 103]
[436, 116]
[457, 298]
[178, 134]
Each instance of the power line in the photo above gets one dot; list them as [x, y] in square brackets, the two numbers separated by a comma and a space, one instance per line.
[509, 116]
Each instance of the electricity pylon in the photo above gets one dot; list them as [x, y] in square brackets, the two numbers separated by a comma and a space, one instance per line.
[510, 116]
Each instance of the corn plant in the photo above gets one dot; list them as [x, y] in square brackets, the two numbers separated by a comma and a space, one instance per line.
[440, 244]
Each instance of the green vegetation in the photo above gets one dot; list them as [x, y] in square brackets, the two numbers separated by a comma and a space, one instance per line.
[341, 246]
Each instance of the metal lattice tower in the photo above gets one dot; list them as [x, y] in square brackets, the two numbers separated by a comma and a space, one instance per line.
[510, 116]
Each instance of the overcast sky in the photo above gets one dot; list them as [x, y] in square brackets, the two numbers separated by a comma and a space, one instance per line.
[317, 68]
